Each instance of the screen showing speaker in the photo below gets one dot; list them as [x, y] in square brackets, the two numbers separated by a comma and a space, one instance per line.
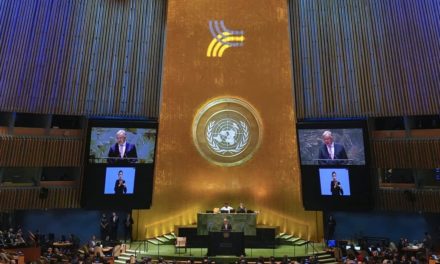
[331, 146]
[119, 164]
[334, 159]
[139, 145]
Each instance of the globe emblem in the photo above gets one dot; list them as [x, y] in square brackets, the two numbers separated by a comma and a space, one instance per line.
[227, 131]
[227, 136]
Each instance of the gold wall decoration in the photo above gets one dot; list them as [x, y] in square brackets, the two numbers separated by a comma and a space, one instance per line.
[227, 131]
[223, 38]
[258, 73]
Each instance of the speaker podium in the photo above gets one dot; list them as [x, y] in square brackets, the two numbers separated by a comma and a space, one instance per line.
[226, 243]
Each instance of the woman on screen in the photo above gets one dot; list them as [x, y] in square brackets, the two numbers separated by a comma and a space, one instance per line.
[335, 186]
[120, 186]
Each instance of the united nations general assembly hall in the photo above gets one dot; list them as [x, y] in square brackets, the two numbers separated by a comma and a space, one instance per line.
[220, 131]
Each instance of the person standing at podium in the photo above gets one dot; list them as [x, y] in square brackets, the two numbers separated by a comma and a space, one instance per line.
[331, 153]
[226, 225]
[122, 152]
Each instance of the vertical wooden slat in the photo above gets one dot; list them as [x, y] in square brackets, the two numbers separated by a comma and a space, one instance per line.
[366, 58]
[66, 56]
[39, 152]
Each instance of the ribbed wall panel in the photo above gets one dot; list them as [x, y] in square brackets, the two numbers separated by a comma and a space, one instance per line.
[418, 200]
[81, 57]
[40, 152]
[28, 198]
[406, 153]
[365, 57]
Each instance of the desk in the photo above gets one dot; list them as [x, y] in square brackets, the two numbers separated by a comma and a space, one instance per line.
[226, 243]
[413, 250]
[30, 253]
[107, 249]
[62, 244]
[207, 222]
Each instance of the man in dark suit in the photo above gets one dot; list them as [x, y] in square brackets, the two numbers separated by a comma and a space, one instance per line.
[128, 227]
[226, 225]
[331, 153]
[122, 152]
[335, 186]
[241, 208]
[104, 226]
[120, 186]
[114, 226]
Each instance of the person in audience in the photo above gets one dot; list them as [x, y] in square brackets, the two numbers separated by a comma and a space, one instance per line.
[122, 152]
[10, 237]
[120, 185]
[335, 186]
[226, 208]
[49, 253]
[427, 244]
[35, 237]
[19, 240]
[2, 239]
[226, 226]
[241, 208]
[132, 260]
[107, 242]
[104, 225]
[285, 260]
[128, 227]
[241, 260]
[5, 257]
[74, 240]
[331, 153]
[92, 243]
[260, 260]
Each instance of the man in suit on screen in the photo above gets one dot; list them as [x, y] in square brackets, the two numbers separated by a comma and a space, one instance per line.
[331, 153]
[122, 152]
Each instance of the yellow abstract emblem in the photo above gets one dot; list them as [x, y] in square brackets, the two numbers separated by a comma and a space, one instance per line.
[223, 39]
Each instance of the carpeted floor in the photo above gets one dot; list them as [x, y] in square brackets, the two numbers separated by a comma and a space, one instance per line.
[168, 251]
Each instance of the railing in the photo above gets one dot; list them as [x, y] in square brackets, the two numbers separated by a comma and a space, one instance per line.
[142, 245]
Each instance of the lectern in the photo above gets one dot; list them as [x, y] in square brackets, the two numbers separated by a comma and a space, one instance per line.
[226, 243]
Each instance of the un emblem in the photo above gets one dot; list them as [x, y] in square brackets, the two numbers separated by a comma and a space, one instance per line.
[227, 131]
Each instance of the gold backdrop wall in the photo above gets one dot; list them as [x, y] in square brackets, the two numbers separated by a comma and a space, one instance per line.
[259, 72]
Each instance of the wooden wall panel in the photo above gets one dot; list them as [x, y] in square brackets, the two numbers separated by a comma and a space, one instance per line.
[28, 198]
[81, 57]
[406, 153]
[365, 57]
[418, 200]
[40, 151]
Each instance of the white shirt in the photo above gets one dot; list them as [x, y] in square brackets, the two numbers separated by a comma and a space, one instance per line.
[227, 208]
[331, 150]
[122, 149]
